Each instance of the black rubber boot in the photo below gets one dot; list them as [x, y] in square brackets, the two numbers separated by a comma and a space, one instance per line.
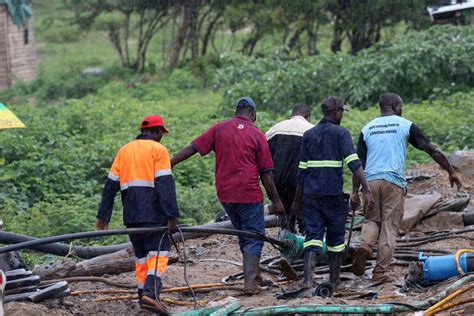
[140, 294]
[309, 264]
[251, 268]
[335, 269]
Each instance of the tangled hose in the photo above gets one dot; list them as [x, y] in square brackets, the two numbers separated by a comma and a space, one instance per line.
[128, 231]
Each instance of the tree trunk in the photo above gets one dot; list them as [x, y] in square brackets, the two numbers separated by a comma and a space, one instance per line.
[209, 29]
[189, 18]
[337, 35]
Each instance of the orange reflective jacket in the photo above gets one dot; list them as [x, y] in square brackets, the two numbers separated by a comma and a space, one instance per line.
[142, 172]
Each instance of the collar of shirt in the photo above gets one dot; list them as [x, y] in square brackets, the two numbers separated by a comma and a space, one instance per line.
[144, 136]
[243, 118]
[326, 121]
[298, 117]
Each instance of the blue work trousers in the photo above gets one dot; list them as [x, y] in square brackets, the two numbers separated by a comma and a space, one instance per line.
[247, 217]
[325, 214]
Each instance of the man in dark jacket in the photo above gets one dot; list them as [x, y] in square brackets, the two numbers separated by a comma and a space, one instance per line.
[284, 140]
[324, 150]
[141, 171]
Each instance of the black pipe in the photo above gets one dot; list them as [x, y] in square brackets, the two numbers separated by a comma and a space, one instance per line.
[59, 249]
[129, 231]
[437, 235]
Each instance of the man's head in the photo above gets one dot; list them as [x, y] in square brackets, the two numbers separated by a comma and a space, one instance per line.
[246, 107]
[390, 104]
[154, 126]
[333, 108]
[302, 110]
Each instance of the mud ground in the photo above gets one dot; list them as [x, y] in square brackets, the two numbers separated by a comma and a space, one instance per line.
[216, 257]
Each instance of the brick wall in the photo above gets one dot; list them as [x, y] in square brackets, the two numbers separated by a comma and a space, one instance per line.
[4, 73]
[17, 60]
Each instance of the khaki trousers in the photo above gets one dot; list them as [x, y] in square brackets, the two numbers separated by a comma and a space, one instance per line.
[382, 222]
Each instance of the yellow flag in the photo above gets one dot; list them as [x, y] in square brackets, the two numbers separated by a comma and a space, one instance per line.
[8, 119]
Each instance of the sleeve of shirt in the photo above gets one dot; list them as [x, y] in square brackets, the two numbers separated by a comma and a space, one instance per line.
[417, 137]
[362, 150]
[348, 152]
[264, 155]
[303, 164]
[165, 185]
[111, 187]
[205, 143]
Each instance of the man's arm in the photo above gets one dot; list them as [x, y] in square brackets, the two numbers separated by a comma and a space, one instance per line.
[106, 206]
[269, 184]
[362, 154]
[358, 177]
[296, 206]
[438, 156]
[183, 154]
[166, 189]
[420, 141]
[351, 159]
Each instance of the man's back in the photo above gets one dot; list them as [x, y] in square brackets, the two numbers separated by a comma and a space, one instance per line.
[241, 155]
[137, 166]
[325, 149]
[386, 138]
[284, 140]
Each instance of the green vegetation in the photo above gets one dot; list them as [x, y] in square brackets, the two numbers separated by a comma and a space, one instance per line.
[52, 172]
[423, 65]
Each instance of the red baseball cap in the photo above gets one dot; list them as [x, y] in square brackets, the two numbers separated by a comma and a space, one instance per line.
[152, 121]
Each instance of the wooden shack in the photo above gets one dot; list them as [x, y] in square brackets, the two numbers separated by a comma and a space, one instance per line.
[18, 61]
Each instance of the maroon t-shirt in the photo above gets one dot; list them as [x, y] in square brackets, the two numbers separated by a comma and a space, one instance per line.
[242, 153]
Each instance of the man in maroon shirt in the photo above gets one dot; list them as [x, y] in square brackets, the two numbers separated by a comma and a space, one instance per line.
[242, 159]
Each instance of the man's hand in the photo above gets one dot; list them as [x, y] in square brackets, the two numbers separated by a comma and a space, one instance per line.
[100, 224]
[368, 199]
[172, 228]
[355, 201]
[278, 208]
[454, 178]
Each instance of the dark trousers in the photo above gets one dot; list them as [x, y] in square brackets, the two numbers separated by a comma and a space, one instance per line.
[247, 217]
[151, 252]
[325, 214]
[289, 221]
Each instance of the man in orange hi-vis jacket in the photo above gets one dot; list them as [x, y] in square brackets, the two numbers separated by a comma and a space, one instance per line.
[141, 172]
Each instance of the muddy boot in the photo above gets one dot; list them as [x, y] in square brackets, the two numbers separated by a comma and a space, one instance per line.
[334, 269]
[309, 264]
[251, 268]
[151, 294]
[360, 260]
[153, 305]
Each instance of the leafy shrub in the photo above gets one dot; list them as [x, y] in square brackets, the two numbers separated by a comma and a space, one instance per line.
[422, 65]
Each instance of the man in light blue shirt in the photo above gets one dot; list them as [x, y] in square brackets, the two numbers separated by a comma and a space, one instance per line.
[382, 150]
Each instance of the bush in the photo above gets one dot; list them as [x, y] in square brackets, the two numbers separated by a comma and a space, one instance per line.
[422, 65]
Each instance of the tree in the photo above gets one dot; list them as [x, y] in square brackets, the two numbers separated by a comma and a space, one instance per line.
[362, 20]
[121, 19]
